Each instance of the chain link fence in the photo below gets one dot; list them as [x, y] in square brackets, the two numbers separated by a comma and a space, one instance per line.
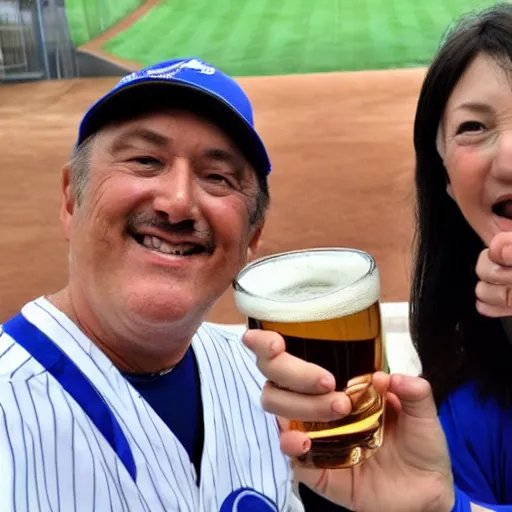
[16, 41]
[34, 41]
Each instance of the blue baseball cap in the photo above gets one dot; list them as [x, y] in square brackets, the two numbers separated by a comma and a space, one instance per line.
[190, 84]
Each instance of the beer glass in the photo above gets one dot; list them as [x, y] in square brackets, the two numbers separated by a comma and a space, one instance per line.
[325, 304]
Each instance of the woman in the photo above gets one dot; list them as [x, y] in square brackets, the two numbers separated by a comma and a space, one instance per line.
[463, 137]
[463, 143]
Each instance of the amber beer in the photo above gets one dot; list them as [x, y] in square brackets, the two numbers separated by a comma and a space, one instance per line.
[325, 303]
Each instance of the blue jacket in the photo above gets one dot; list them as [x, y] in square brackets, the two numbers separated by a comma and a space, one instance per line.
[479, 435]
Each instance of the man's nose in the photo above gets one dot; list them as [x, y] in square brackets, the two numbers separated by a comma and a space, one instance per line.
[176, 197]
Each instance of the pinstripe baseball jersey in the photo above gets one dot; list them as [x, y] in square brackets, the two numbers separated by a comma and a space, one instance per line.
[76, 436]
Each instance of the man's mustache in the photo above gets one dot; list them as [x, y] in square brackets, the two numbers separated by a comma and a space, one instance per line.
[142, 220]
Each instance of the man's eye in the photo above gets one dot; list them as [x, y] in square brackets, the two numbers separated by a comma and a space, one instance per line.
[218, 178]
[145, 160]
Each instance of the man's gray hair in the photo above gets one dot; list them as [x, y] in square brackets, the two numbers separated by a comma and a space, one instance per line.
[79, 167]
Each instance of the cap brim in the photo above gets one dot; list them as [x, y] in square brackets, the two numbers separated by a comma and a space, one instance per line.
[149, 94]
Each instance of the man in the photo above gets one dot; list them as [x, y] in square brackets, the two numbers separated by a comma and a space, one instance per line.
[114, 393]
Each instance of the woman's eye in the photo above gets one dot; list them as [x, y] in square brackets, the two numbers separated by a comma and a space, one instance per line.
[470, 126]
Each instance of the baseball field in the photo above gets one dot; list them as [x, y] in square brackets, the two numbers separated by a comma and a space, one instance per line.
[273, 37]
[88, 20]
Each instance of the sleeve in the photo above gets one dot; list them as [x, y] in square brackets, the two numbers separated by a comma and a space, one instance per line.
[473, 432]
[6, 465]
[464, 504]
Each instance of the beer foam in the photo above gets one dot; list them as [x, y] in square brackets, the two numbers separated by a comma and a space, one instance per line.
[308, 286]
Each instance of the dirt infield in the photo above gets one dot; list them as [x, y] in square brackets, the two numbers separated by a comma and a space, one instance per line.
[341, 146]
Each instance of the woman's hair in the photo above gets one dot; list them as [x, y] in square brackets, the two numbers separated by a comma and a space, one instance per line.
[455, 343]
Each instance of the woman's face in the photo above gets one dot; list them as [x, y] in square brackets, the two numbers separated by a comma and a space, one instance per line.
[475, 142]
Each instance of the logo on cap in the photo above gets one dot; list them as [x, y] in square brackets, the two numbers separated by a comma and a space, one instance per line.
[170, 70]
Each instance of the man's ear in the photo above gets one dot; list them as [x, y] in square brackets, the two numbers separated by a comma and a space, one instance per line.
[68, 202]
[255, 240]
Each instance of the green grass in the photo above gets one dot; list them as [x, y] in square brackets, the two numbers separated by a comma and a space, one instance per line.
[87, 19]
[269, 37]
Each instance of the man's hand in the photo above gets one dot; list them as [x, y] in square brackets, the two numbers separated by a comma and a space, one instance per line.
[410, 472]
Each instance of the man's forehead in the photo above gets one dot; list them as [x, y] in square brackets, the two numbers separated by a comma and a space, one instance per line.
[157, 130]
[169, 124]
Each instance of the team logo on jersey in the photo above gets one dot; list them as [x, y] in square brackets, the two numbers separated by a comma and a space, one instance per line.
[247, 500]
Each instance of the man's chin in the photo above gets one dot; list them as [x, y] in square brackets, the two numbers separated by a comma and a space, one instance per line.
[160, 308]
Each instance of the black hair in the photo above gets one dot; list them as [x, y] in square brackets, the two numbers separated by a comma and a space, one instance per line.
[455, 343]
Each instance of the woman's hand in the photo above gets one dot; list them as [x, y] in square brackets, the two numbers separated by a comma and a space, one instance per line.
[494, 270]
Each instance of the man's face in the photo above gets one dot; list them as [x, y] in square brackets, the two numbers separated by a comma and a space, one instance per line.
[163, 225]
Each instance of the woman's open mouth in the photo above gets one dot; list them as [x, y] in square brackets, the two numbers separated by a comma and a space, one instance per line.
[503, 209]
